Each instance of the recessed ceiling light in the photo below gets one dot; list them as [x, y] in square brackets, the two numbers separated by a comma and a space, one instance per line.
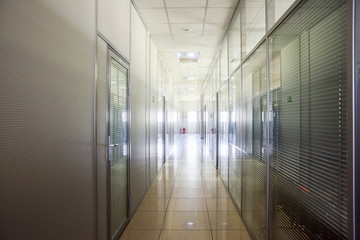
[188, 57]
[189, 78]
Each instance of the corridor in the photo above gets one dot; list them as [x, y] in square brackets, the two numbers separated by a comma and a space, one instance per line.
[187, 200]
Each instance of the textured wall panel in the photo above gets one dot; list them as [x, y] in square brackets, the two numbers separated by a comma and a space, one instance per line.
[153, 111]
[46, 104]
[101, 91]
[114, 23]
[137, 105]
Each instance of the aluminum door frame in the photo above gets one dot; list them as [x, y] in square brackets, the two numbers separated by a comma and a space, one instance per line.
[164, 127]
[112, 54]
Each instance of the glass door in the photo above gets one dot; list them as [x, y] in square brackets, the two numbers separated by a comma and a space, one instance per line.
[118, 144]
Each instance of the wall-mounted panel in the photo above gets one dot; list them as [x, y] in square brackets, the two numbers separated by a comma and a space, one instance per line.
[47, 105]
[102, 137]
[114, 23]
[153, 99]
[137, 108]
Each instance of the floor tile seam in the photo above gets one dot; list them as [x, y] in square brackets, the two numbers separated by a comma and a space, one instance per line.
[167, 205]
[207, 209]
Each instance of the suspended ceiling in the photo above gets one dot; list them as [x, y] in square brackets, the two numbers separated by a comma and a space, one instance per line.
[187, 34]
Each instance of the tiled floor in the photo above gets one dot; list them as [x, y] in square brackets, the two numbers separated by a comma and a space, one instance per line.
[187, 201]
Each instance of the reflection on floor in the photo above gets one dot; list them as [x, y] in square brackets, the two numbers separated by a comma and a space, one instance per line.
[187, 201]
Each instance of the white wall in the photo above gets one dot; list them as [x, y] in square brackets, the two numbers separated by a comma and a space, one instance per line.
[114, 23]
[137, 103]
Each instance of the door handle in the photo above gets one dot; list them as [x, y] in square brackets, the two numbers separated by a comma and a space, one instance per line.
[115, 145]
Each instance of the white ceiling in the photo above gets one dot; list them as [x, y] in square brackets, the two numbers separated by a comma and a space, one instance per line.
[167, 21]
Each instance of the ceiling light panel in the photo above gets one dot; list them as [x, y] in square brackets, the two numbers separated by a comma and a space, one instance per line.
[185, 3]
[219, 15]
[222, 3]
[186, 15]
[181, 29]
[149, 3]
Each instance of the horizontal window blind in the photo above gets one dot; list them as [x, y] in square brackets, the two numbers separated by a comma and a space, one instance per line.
[308, 91]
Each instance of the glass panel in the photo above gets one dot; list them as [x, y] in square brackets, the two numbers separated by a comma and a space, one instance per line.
[234, 44]
[275, 9]
[254, 159]
[160, 116]
[223, 137]
[234, 138]
[308, 124]
[252, 14]
[118, 145]
[224, 67]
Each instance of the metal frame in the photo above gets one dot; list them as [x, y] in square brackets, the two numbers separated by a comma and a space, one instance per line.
[95, 125]
[351, 116]
[163, 131]
[112, 54]
[217, 130]
[356, 116]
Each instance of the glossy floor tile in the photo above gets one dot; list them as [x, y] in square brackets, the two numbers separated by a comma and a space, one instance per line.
[140, 235]
[187, 200]
[185, 235]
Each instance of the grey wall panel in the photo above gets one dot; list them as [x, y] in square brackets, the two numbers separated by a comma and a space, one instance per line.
[153, 125]
[46, 103]
[101, 92]
[137, 108]
[113, 13]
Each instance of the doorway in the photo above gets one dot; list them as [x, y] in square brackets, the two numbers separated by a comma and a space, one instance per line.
[118, 145]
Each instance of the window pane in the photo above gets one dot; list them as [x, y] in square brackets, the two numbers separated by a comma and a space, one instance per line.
[252, 14]
[276, 8]
[308, 123]
[234, 44]
[254, 131]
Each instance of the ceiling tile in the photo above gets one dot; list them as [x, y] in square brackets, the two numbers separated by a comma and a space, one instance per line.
[163, 43]
[170, 58]
[215, 28]
[158, 28]
[188, 49]
[186, 15]
[209, 49]
[212, 40]
[219, 15]
[207, 61]
[185, 3]
[179, 29]
[153, 15]
[204, 54]
[222, 3]
[187, 41]
[149, 3]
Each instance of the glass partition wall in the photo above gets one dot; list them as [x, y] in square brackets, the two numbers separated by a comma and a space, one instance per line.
[285, 147]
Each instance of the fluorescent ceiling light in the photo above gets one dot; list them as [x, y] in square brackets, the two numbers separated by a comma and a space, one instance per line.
[188, 57]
